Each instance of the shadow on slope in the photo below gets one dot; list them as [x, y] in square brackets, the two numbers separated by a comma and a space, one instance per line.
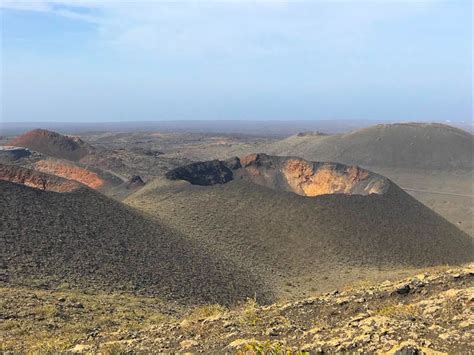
[89, 240]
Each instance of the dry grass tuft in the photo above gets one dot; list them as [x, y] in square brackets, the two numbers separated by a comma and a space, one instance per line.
[392, 309]
[207, 311]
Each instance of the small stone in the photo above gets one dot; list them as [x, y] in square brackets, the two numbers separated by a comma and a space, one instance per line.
[358, 318]
[405, 289]
[426, 343]
[445, 336]
[421, 277]
[408, 349]
[431, 309]
[385, 283]
[314, 330]
[185, 323]
[342, 301]
[228, 324]
[80, 348]
[273, 332]
[189, 343]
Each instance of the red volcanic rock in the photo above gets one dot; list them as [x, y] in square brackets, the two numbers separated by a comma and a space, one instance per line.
[311, 178]
[70, 172]
[307, 180]
[36, 179]
[53, 144]
[249, 159]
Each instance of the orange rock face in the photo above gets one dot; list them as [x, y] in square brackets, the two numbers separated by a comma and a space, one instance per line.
[303, 180]
[310, 178]
[36, 179]
[70, 172]
[248, 159]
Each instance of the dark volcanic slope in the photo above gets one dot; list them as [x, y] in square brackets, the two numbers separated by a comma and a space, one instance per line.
[86, 239]
[402, 145]
[53, 144]
[280, 233]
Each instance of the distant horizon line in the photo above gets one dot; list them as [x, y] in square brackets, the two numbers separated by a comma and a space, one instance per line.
[242, 120]
[276, 128]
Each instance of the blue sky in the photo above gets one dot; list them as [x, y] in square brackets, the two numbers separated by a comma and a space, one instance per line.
[95, 61]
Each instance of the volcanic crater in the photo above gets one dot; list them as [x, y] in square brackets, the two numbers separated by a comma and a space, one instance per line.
[284, 217]
[289, 174]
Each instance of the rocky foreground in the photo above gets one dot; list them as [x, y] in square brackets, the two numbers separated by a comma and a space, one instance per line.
[430, 312]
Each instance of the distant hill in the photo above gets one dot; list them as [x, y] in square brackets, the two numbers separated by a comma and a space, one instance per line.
[401, 145]
[87, 240]
[53, 144]
[260, 212]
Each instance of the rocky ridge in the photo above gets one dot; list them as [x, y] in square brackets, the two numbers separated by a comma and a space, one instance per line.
[36, 179]
[70, 171]
[431, 312]
[426, 313]
[284, 174]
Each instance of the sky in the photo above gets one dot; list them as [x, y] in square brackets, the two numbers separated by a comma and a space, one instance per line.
[92, 61]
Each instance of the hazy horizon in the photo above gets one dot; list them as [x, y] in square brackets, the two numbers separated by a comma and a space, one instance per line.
[110, 61]
[256, 128]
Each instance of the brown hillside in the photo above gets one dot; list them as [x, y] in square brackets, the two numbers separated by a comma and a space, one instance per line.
[401, 145]
[53, 144]
[257, 221]
[87, 240]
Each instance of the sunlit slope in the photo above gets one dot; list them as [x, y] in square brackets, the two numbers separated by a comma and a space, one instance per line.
[403, 145]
